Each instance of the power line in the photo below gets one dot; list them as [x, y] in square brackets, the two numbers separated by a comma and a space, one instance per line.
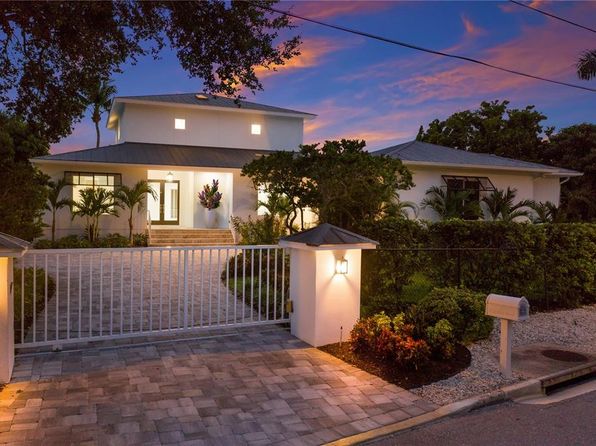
[553, 16]
[427, 50]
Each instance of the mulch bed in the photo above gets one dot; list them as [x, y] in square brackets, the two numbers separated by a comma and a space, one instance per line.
[408, 379]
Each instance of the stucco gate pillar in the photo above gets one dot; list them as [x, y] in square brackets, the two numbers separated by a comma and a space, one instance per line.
[10, 247]
[325, 282]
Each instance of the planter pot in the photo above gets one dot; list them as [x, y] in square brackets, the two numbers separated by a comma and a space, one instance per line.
[211, 219]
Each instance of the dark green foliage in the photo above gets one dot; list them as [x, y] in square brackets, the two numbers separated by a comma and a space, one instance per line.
[339, 180]
[30, 296]
[265, 230]
[140, 239]
[54, 53]
[586, 65]
[75, 241]
[462, 308]
[441, 339]
[553, 265]
[22, 186]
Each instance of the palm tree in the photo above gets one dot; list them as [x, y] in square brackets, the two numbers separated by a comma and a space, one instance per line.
[131, 197]
[56, 203]
[545, 212]
[92, 205]
[100, 98]
[402, 209]
[499, 205]
[586, 65]
[451, 204]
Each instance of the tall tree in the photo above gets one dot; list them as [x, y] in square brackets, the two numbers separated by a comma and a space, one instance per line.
[92, 204]
[575, 148]
[492, 128]
[53, 52]
[131, 197]
[55, 203]
[586, 65]
[339, 180]
[99, 97]
[22, 186]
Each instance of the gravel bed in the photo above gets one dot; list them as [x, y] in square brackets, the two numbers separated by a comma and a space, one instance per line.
[574, 329]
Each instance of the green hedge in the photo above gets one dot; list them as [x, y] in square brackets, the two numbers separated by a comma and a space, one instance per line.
[553, 265]
[39, 297]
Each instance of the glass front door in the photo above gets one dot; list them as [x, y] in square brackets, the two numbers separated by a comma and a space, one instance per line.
[164, 208]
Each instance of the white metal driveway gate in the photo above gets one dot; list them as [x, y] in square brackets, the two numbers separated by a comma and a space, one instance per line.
[63, 296]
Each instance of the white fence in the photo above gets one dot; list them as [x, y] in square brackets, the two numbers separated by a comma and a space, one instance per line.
[63, 296]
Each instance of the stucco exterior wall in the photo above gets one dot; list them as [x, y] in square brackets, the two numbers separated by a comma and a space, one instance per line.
[528, 187]
[239, 196]
[155, 124]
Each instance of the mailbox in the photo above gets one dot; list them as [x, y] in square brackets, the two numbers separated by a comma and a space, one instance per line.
[507, 307]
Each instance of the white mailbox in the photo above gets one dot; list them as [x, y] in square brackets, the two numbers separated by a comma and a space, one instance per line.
[507, 307]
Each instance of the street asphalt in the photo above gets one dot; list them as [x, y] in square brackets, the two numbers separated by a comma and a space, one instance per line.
[567, 423]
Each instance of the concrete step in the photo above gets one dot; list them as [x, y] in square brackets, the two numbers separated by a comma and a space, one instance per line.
[191, 237]
[179, 244]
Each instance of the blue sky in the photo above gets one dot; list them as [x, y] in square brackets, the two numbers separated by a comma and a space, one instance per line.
[366, 89]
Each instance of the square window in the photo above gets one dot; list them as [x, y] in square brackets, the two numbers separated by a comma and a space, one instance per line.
[179, 124]
[255, 129]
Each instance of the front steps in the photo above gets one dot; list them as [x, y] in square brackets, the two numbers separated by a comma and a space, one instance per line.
[191, 237]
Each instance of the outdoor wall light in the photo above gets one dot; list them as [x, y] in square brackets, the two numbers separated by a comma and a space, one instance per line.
[341, 266]
[170, 177]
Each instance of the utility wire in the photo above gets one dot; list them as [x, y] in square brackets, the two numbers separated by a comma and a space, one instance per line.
[524, 5]
[426, 50]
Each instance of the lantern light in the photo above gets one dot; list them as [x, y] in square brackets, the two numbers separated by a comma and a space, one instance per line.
[341, 266]
[170, 177]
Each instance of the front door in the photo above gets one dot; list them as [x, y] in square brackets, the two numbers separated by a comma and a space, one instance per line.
[164, 208]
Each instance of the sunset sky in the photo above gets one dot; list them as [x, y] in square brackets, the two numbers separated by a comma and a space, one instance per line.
[361, 88]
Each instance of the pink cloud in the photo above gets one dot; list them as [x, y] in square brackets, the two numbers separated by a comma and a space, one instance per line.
[326, 9]
[470, 27]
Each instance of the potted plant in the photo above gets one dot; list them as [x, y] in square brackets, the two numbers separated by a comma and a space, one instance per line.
[210, 199]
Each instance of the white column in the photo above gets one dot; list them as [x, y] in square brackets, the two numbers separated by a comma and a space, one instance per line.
[326, 305]
[6, 320]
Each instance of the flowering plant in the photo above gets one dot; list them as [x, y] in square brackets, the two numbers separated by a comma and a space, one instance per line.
[210, 197]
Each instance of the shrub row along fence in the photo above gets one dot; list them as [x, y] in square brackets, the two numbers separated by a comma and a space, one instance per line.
[554, 266]
[63, 296]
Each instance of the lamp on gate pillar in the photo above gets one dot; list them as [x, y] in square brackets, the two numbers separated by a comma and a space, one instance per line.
[324, 292]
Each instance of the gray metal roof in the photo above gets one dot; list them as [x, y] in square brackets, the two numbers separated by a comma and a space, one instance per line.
[160, 154]
[212, 101]
[327, 234]
[417, 151]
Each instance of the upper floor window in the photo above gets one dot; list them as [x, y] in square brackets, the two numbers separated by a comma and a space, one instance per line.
[255, 129]
[476, 188]
[180, 124]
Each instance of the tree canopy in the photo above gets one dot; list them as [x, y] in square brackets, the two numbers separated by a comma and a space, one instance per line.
[339, 180]
[53, 52]
[492, 128]
[22, 186]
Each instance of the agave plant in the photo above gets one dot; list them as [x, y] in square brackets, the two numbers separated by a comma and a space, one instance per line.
[451, 204]
[131, 197]
[499, 205]
[545, 212]
[94, 203]
[210, 197]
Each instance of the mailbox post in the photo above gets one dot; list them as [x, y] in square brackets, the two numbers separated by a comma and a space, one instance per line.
[507, 309]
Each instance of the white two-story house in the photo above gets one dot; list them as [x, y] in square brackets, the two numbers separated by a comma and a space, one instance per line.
[179, 143]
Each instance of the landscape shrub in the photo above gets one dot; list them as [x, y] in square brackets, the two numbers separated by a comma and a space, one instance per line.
[26, 304]
[440, 339]
[390, 339]
[461, 308]
[265, 230]
[553, 265]
[74, 241]
[112, 241]
[140, 239]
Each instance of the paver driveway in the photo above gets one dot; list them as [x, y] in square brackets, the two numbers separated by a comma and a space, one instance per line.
[251, 386]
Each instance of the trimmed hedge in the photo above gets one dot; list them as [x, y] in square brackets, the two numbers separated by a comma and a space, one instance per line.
[553, 265]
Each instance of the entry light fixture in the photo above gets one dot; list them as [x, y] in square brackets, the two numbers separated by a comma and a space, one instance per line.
[341, 266]
[170, 177]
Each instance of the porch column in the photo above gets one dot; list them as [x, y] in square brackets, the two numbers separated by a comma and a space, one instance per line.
[10, 247]
[325, 283]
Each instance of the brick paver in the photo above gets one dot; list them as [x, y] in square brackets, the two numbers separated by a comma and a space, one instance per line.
[252, 386]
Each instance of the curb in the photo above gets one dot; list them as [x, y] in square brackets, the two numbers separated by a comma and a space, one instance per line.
[530, 387]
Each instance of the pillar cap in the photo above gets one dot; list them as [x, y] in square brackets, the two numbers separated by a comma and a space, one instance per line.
[327, 236]
[12, 246]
